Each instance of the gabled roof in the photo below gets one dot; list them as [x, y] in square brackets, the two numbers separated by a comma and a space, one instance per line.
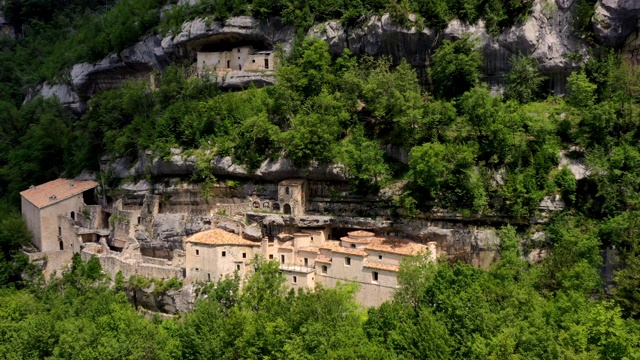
[55, 191]
[219, 237]
[396, 246]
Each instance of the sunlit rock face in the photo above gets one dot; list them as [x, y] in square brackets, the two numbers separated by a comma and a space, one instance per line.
[615, 20]
[546, 36]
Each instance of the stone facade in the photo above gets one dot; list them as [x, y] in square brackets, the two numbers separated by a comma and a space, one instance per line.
[241, 59]
[292, 196]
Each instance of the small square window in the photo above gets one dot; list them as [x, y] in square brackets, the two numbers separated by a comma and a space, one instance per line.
[244, 255]
[253, 61]
[324, 269]
[224, 253]
[295, 279]
[197, 269]
[353, 246]
[374, 277]
[379, 257]
[347, 261]
[312, 238]
[270, 256]
[197, 252]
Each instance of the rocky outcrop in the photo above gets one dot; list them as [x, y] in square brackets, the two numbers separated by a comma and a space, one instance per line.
[614, 20]
[243, 79]
[64, 93]
[546, 36]
[169, 302]
[168, 231]
[253, 233]
[111, 72]
[199, 32]
[224, 166]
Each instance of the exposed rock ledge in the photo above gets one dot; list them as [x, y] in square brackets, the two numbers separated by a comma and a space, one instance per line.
[546, 36]
[178, 165]
[614, 20]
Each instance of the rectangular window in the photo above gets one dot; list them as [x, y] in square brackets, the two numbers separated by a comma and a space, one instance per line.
[224, 253]
[295, 279]
[244, 255]
[238, 267]
[379, 257]
[347, 261]
[312, 238]
[353, 246]
[59, 231]
[197, 252]
[282, 259]
[324, 269]
[374, 277]
[306, 262]
[270, 256]
[209, 276]
[266, 63]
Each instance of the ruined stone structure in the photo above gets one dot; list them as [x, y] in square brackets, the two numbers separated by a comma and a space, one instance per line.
[243, 58]
[292, 195]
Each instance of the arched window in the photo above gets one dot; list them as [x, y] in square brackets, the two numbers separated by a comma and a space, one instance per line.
[256, 205]
[61, 245]
[276, 207]
[265, 205]
[287, 209]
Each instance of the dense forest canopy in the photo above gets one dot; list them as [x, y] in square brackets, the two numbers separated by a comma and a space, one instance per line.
[470, 151]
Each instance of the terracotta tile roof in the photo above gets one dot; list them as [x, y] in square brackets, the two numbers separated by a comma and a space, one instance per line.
[396, 246]
[377, 266]
[301, 234]
[335, 247]
[356, 241]
[55, 191]
[311, 249]
[219, 237]
[361, 233]
[322, 259]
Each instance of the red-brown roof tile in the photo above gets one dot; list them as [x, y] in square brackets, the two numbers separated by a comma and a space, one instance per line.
[219, 237]
[55, 191]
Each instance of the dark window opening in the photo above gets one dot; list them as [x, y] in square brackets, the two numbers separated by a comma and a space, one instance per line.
[287, 209]
[347, 261]
[380, 257]
[353, 246]
[270, 256]
[295, 279]
[209, 276]
[197, 252]
[73, 215]
[244, 255]
[59, 231]
[224, 253]
[324, 269]
[286, 190]
[238, 267]
[374, 276]
[276, 207]
[61, 245]
[266, 63]
[229, 64]
[282, 259]
[306, 262]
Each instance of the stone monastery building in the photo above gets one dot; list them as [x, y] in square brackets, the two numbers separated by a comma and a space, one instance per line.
[244, 58]
[65, 219]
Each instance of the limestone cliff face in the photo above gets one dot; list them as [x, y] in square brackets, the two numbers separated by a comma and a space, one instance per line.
[615, 20]
[546, 36]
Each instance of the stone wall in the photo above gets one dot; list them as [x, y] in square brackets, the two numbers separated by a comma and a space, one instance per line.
[113, 262]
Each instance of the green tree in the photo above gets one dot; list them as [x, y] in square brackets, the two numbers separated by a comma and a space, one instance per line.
[524, 79]
[455, 67]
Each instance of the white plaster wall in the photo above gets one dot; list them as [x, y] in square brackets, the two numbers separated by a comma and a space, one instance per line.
[387, 258]
[303, 280]
[31, 215]
[210, 263]
[301, 255]
[50, 221]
